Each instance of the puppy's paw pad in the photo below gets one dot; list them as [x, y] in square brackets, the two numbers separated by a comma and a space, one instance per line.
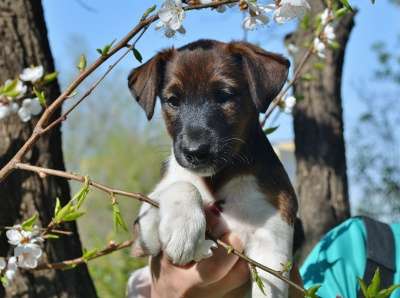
[204, 250]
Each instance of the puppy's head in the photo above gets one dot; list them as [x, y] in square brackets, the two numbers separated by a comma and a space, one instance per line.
[211, 94]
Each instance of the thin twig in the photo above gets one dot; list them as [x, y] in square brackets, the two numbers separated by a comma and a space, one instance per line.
[143, 198]
[112, 247]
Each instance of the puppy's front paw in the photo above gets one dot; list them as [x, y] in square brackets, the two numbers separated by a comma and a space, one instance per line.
[183, 225]
[148, 242]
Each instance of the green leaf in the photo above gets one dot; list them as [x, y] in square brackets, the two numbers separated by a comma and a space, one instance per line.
[341, 12]
[137, 55]
[50, 77]
[312, 292]
[270, 130]
[305, 22]
[41, 96]
[373, 288]
[52, 236]
[82, 62]
[9, 87]
[334, 45]
[256, 278]
[346, 4]
[71, 216]
[148, 11]
[319, 65]
[89, 254]
[4, 281]
[28, 224]
[81, 195]
[104, 51]
[117, 218]
[363, 287]
[57, 207]
[385, 293]
[63, 212]
[307, 77]
[69, 267]
[287, 267]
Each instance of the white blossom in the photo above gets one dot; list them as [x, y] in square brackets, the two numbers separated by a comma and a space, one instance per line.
[4, 110]
[289, 104]
[257, 16]
[32, 74]
[17, 236]
[20, 87]
[292, 48]
[326, 15]
[27, 255]
[30, 107]
[171, 16]
[319, 47]
[3, 264]
[11, 268]
[329, 33]
[290, 9]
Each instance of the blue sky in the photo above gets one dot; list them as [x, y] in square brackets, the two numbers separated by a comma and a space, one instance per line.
[113, 19]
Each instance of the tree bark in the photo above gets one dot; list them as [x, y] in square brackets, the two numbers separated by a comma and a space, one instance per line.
[24, 42]
[318, 127]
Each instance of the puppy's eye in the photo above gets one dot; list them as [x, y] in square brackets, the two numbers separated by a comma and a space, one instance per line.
[173, 102]
[222, 96]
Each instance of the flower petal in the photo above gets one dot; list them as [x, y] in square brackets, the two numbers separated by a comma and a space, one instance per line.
[3, 264]
[35, 107]
[24, 114]
[4, 111]
[14, 237]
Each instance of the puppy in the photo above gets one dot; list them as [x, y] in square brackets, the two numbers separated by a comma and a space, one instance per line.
[211, 95]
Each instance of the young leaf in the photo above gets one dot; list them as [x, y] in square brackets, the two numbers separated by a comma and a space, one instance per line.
[81, 195]
[4, 281]
[104, 51]
[346, 4]
[341, 12]
[50, 77]
[88, 254]
[57, 207]
[373, 288]
[137, 55]
[69, 267]
[230, 250]
[148, 11]
[287, 267]
[256, 278]
[385, 293]
[270, 130]
[71, 216]
[117, 218]
[312, 292]
[82, 62]
[28, 224]
[363, 287]
[51, 236]
[41, 96]
[9, 87]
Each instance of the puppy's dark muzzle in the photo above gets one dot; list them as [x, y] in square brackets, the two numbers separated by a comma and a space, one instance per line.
[197, 153]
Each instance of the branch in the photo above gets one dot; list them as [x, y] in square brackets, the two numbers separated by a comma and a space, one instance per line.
[45, 171]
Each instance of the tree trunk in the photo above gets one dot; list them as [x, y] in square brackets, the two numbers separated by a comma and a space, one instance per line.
[24, 42]
[318, 127]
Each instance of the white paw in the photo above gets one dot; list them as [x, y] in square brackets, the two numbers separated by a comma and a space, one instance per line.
[183, 224]
[148, 242]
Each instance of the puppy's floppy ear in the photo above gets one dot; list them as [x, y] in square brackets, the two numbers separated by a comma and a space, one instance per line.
[145, 81]
[266, 72]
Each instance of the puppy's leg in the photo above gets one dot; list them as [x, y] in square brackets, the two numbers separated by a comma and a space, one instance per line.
[183, 224]
[146, 225]
[272, 250]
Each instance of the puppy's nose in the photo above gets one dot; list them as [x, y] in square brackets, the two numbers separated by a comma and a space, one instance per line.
[196, 153]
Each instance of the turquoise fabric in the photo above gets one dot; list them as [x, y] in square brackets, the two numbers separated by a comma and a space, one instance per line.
[339, 258]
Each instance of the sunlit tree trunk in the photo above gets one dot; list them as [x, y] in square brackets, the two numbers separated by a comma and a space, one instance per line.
[24, 42]
[318, 126]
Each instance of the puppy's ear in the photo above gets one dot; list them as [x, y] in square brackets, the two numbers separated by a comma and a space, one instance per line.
[266, 72]
[145, 81]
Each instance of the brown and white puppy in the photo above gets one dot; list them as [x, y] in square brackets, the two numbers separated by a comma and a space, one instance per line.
[211, 95]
